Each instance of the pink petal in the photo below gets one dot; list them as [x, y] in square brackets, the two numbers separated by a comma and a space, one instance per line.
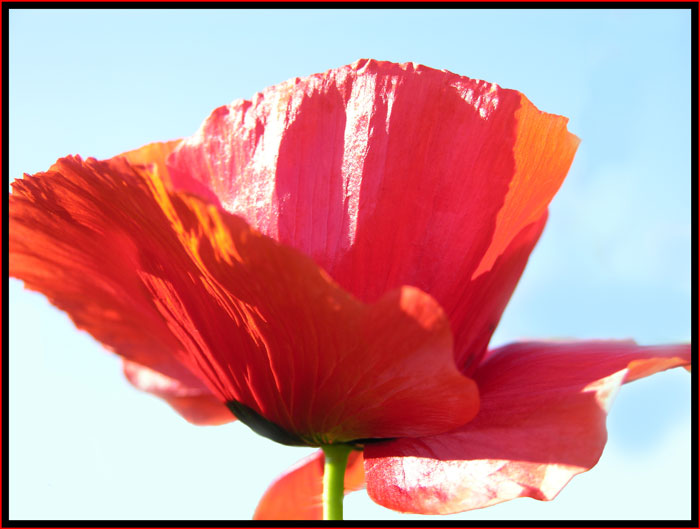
[193, 401]
[542, 421]
[298, 493]
[388, 175]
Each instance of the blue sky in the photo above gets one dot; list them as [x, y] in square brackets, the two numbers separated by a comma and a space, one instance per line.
[614, 261]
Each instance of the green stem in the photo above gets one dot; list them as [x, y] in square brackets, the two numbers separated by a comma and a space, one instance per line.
[334, 480]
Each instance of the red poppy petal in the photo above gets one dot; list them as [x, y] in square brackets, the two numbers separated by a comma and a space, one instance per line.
[542, 151]
[195, 403]
[153, 155]
[387, 174]
[158, 275]
[308, 356]
[71, 238]
[298, 493]
[542, 421]
[491, 292]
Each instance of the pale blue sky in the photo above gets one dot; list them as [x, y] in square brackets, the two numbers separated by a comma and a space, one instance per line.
[614, 261]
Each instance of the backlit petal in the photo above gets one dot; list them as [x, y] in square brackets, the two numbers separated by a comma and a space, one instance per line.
[74, 235]
[153, 156]
[387, 175]
[542, 421]
[160, 276]
[490, 293]
[195, 402]
[298, 493]
[267, 328]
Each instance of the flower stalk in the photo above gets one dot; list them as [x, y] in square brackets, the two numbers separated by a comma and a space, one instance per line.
[336, 460]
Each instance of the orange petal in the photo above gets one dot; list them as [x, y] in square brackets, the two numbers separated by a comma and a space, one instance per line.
[75, 236]
[542, 151]
[298, 493]
[153, 156]
[542, 422]
[388, 175]
[70, 239]
[160, 276]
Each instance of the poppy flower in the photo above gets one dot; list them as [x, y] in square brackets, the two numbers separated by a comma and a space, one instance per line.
[327, 262]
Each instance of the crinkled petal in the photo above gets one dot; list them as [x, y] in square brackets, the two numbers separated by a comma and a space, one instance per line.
[74, 235]
[161, 276]
[388, 174]
[542, 421]
[153, 157]
[194, 402]
[298, 493]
